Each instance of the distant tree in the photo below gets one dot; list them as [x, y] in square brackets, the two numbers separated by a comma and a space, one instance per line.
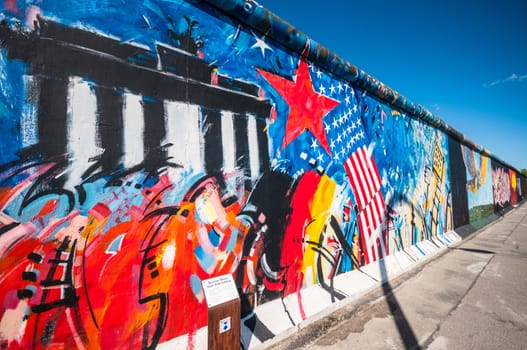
[524, 172]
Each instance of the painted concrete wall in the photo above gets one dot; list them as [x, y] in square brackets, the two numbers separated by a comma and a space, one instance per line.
[149, 146]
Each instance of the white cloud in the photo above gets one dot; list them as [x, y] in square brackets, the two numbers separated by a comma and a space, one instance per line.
[511, 78]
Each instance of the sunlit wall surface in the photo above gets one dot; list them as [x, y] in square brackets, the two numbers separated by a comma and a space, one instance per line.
[149, 145]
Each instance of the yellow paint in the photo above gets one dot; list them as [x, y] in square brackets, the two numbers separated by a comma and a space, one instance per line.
[355, 250]
[208, 206]
[323, 197]
[320, 210]
[513, 180]
[483, 170]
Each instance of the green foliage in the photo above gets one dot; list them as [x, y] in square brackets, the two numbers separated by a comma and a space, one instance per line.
[524, 172]
[481, 215]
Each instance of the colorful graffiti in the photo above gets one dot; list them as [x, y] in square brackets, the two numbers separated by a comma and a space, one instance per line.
[142, 154]
[501, 185]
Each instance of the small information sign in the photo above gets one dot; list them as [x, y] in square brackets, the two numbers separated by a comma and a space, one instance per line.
[225, 325]
[219, 290]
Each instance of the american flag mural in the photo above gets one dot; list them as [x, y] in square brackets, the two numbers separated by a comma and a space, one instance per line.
[351, 147]
[366, 184]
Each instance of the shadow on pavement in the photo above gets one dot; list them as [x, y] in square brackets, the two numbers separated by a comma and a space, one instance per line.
[474, 250]
[403, 326]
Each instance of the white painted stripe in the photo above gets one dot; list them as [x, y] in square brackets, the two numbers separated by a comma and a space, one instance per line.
[379, 207]
[354, 179]
[254, 154]
[366, 236]
[374, 204]
[29, 117]
[381, 226]
[376, 177]
[363, 224]
[378, 234]
[365, 174]
[228, 142]
[183, 132]
[370, 209]
[374, 247]
[81, 128]
[369, 214]
[134, 126]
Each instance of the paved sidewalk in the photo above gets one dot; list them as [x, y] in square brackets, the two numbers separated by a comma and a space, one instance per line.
[474, 296]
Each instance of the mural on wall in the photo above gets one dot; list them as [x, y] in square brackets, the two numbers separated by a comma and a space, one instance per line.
[144, 153]
[479, 184]
[501, 187]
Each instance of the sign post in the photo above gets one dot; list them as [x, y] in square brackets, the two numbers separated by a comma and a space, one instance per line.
[223, 303]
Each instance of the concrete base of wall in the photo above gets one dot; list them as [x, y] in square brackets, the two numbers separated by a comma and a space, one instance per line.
[354, 284]
[274, 321]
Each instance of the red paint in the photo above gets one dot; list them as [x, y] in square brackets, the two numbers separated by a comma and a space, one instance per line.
[11, 6]
[100, 211]
[47, 208]
[292, 249]
[306, 107]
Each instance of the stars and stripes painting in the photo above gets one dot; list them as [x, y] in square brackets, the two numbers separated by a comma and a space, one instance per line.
[366, 184]
[350, 146]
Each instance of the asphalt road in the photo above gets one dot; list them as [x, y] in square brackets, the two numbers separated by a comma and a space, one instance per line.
[473, 296]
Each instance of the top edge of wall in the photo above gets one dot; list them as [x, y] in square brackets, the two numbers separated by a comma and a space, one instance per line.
[251, 13]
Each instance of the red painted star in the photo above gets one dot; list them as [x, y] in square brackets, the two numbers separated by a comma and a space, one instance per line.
[306, 107]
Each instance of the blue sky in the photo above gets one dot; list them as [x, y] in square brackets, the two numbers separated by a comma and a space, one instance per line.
[465, 61]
